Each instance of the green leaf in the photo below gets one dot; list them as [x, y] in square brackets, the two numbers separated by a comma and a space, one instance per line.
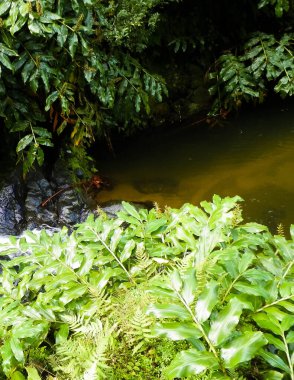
[290, 337]
[168, 311]
[272, 375]
[40, 156]
[155, 225]
[242, 348]
[17, 349]
[72, 44]
[4, 59]
[268, 322]
[176, 281]
[245, 261]
[225, 322]
[51, 99]
[61, 334]
[278, 343]
[131, 210]
[32, 373]
[206, 301]
[115, 238]
[127, 251]
[191, 362]
[4, 6]
[42, 132]
[17, 376]
[177, 330]
[62, 35]
[74, 292]
[274, 360]
[24, 142]
[253, 289]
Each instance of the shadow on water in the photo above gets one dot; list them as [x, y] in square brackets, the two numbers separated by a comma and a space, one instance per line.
[251, 156]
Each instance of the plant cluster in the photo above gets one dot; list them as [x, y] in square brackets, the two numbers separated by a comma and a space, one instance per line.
[78, 69]
[73, 65]
[180, 293]
[245, 77]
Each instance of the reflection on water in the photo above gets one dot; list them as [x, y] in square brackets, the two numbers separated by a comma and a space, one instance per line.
[251, 156]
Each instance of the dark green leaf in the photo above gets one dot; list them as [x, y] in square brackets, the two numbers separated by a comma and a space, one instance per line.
[24, 142]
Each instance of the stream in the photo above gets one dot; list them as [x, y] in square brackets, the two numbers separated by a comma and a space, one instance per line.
[251, 156]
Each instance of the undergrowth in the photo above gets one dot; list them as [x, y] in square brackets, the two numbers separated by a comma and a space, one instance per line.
[160, 294]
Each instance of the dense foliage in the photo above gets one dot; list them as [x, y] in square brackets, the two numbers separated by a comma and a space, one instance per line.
[75, 65]
[180, 293]
[81, 68]
[263, 63]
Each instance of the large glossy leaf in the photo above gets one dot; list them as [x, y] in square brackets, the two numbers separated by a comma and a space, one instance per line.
[17, 349]
[243, 348]
[127, 250]
[177, 330]
[130, 209]
[32, 373]
[191, 362]
[253, 289]
[274, 360]
[4, 7]
[225, 322]
[168, 311]
[268, 322]
[206, 301]
[189, 285]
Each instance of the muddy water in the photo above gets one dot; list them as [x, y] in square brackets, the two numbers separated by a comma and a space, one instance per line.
[252, 156]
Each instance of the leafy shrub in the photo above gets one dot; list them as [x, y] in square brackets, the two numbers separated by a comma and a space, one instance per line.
[74, 63]
[245, 77]
[194, 284]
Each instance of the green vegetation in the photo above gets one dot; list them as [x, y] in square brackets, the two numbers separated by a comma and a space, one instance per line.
[76, 70]
[73, 65]
[180, 293]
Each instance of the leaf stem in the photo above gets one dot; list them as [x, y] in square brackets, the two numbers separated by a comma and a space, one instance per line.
[198, 324]
[288, 355]
[275, 302]
[113, 254]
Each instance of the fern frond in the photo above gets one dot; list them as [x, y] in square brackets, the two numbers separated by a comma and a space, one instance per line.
[139, 330]
[237, 215]
[83, 356]
[133, 323]
[280, 230]
[144, 265]
[157, 209]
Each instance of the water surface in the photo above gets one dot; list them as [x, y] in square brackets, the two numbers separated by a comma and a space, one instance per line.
[251, 156]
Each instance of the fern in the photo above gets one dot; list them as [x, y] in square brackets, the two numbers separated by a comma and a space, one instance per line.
[83, 355]
[139, 330]
[133, 323]
[144, 265]
[280, 230]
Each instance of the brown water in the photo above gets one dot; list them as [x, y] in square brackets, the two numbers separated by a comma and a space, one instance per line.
[251, 156]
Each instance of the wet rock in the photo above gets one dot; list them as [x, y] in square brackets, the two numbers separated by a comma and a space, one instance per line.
[11, 209]
[111, 208]
[38, 189]
[21, 202]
